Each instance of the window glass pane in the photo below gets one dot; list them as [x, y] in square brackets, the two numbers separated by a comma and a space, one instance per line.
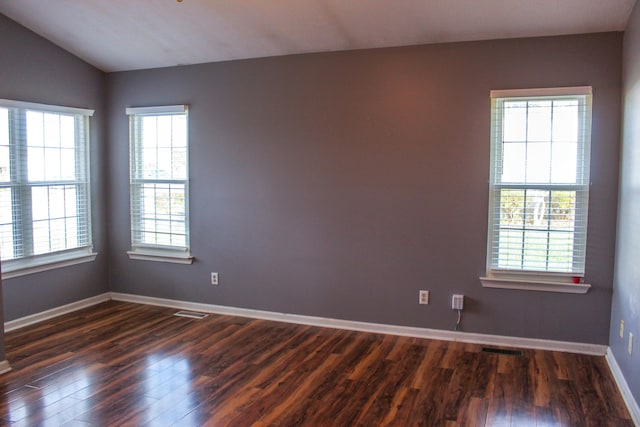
[67, 164]
[177, 227]
[565, 121]
[162, 206]
[5, 171]
[71, 202]
[164, 163]
[539, 121]
[164, 131]
[512, 208]
[51, 130]
[178, 240]
[179, 163]
[6, 241]
[58, 238]
[536, 209]
[52, 164]
[513, 166]
[41, 237]
[6, 224]
[67, 132]
[35, 163]
[6, 216]
[56, 202]
[71, 232]
[510, 250]
[538, 162]
[35, 129]
[4, 126]
[564, 162]
[561, 251]
[535, 250]
[177, 201]
[149, 131]
[179, 135]
[563, 209]
[514, 124]
[163, 238]
[39, 203]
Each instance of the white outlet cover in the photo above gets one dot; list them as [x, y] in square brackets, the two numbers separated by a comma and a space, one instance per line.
[423, 297]
[457, 302]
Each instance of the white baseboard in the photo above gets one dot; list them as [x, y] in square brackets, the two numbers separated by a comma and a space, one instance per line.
[631, 403]
[4, 367]
[54, 312]
[495, 340]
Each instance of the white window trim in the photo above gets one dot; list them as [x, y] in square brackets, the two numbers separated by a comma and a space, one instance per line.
[170, 255]
[524, 280]
[9, 103]
[173, 255]
[535, 285]
[37, 264]
[164, 109]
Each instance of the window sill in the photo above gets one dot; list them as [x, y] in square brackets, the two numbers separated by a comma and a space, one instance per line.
[535, 285]
[23, 267]
[175, 257]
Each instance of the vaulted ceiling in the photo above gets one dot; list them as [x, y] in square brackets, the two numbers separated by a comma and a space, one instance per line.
[117, 35]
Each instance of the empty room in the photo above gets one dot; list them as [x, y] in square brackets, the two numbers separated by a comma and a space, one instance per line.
[320, 213]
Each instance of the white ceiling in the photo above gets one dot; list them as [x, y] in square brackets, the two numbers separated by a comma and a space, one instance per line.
[117, 35]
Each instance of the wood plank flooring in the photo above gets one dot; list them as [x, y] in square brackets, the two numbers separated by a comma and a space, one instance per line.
[127, 364]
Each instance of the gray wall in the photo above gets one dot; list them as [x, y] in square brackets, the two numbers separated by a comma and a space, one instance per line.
[339, 184]
[33, 69]
[626, 295]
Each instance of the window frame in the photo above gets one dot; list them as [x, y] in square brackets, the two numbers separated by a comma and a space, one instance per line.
[29, 262]
[146, 251]
[539, 280]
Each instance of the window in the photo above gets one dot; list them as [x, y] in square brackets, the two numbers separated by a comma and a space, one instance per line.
[159, 183]
[44, 187]
[539, 182]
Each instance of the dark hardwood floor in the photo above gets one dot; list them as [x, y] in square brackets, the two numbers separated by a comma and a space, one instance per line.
[132, 365]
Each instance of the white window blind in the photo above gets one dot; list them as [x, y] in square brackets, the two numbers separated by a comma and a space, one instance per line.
[159, 178]
[44, 181]
[539, 181]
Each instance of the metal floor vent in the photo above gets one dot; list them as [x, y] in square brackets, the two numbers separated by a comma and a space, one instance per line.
[501, 351]
[190, 314]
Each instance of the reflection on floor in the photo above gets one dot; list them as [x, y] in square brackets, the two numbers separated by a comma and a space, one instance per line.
[128, 364]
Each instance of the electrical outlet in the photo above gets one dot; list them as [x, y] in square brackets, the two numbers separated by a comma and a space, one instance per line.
[423, 297]
[630, 343]
[622, 329]
[214, 279]
[457, 302]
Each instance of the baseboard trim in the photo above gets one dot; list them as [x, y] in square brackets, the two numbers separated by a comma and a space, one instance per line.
[4, 367]
[21, 322]
[629, 400]
[495, 340]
